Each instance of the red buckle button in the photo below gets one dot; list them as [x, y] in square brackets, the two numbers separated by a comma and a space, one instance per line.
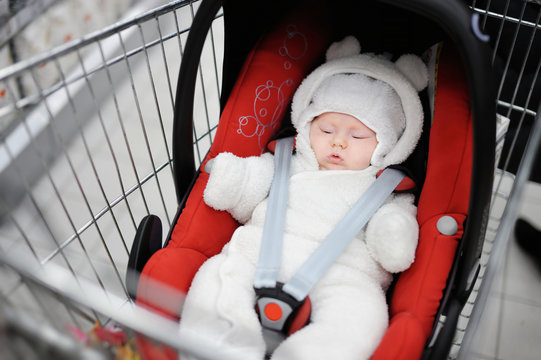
[273, 311]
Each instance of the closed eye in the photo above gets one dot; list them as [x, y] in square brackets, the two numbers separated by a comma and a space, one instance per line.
[326, 130]
[359, 137]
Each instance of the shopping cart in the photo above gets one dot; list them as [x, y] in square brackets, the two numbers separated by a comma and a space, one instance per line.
[87, 153]
[516, 42]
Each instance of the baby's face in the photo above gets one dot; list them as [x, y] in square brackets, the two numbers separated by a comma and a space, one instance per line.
[341, 142]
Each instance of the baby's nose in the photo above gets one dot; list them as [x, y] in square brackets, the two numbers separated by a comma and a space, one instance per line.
[339, 141]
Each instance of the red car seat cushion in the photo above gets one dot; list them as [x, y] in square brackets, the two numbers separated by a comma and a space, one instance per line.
[253, 113]
[258, 101]
[446, 191]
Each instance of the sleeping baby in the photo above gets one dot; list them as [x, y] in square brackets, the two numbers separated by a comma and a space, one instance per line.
[355, 115]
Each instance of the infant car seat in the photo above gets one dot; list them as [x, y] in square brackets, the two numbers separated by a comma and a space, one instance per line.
[453, 163]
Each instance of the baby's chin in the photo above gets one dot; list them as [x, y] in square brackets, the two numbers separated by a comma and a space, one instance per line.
[340, 167]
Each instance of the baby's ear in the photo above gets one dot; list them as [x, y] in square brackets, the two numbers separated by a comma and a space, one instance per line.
[414, 69]
[349, 46]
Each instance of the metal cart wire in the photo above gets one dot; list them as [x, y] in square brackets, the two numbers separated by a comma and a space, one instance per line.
[86, 153]
[84, 156]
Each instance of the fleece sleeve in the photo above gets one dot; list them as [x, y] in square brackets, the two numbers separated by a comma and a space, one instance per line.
[238, 185]
[393, 232]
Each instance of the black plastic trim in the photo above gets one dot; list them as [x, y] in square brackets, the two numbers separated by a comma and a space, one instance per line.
[148, 240]
[183, 154]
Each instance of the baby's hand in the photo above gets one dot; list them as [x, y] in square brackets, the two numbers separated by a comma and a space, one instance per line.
[238, 185]
[226, 175]
[392, 235]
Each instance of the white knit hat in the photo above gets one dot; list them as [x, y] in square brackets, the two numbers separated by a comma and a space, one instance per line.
[371, 101]
[380, 93]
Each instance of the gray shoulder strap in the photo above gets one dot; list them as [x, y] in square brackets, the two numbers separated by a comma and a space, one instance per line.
[332, 246]
[338, 239]
[273, 232]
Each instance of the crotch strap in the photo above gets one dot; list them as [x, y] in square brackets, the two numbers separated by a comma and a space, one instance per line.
[277, 303]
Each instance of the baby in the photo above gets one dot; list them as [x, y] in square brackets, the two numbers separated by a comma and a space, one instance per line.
[355, 115]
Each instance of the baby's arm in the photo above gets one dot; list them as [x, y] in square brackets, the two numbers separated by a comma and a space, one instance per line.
[393, 232]
[238, 184]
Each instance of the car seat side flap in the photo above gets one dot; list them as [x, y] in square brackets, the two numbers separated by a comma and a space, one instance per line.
[190, 231]
[450, 151]
[403, 340]
[446, 192]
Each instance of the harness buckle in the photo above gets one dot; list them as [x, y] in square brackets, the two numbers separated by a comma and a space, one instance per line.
[281, 312]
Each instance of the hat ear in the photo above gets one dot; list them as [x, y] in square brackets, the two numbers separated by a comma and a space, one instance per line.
[414, 69]
[349, 46]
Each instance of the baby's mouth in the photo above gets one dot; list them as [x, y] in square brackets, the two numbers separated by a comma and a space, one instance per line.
[335, 158]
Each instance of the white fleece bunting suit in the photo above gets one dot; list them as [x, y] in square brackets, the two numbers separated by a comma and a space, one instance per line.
[349, 310]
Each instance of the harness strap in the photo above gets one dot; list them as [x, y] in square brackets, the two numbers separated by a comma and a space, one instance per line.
[339, 238]
[273, 232]
[276, 302]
